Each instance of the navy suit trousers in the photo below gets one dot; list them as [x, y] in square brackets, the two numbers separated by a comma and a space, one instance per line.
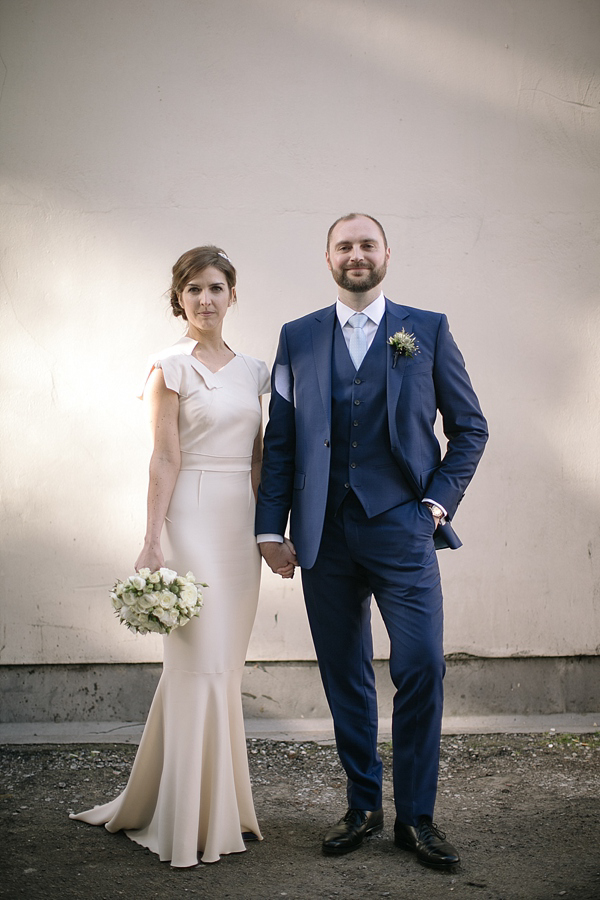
[390, 556]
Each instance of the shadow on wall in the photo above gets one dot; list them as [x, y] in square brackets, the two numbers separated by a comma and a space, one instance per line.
[494, 120]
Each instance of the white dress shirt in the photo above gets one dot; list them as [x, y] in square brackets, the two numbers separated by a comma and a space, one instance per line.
[374, 313]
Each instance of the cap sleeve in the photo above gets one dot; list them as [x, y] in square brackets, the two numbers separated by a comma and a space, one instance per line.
[264, 378]
[172, 373]
[260, 373]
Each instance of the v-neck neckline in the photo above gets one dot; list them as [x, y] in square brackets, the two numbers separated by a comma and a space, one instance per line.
[204, 366]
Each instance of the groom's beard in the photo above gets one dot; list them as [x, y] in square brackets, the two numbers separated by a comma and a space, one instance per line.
[364, 283]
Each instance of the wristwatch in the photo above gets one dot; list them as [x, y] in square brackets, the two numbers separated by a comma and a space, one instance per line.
[436, 511]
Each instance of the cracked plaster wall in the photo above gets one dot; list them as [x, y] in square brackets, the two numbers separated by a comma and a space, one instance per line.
[132, 131]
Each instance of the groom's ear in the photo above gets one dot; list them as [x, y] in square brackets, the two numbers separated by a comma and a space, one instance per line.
[328, 260]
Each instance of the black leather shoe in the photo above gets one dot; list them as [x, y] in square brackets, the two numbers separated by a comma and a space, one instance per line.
[349, 832]
[428, 842]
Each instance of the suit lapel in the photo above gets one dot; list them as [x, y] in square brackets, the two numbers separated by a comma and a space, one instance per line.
[397, 318]
[322, 340]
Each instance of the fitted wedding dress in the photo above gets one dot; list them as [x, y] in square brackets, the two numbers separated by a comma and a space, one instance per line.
[189, 788]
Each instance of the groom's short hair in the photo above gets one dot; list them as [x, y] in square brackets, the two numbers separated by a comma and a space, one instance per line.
[355, 215]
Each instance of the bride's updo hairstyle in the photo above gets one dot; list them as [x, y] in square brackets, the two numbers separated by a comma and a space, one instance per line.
[189, 264]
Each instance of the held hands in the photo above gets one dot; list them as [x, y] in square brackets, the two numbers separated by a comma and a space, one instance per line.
[281, 558]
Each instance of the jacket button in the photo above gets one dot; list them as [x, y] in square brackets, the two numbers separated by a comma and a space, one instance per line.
[357, 402]
[327, 443]
[357, 381]
[347, 485]
[352, 465]
[355, 443]
[355, 423]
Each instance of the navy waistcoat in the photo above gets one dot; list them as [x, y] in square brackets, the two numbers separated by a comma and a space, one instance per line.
[361, 456]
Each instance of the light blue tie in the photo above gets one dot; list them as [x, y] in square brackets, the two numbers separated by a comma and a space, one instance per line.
[358, 339]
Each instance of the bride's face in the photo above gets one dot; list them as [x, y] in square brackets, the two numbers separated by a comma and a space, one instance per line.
[205, 299]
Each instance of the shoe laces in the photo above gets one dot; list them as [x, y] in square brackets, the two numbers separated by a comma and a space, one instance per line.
[437, 831]
[352, 815]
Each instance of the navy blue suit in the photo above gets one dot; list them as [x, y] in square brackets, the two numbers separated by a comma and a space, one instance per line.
[351, 454]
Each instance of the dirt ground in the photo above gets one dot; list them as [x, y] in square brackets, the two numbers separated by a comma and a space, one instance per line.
[524, 811]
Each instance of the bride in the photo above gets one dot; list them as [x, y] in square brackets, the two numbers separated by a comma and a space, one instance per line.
[189, 788]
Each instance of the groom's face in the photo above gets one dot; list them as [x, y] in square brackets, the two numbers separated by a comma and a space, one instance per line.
[357, 255]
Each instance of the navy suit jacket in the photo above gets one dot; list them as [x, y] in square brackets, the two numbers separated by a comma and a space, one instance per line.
[295, 473]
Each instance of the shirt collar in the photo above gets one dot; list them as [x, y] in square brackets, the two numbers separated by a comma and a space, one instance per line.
[185, 345]
[374, 310]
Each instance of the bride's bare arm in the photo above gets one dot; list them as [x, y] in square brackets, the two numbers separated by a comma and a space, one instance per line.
[163, 407]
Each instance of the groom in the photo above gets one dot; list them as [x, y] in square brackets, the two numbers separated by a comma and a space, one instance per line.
[350, 450]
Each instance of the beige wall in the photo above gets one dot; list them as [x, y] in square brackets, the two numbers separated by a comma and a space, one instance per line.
[134, 130]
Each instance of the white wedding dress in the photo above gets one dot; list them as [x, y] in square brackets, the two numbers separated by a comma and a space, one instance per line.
[189, 788]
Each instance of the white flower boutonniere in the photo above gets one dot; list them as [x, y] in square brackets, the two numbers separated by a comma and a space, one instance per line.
[157, 601]
[404, 344]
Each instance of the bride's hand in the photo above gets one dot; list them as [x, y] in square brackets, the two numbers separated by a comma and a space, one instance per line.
[287, 570]
[150, 558]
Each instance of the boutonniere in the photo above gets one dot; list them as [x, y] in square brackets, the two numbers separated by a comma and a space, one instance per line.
[404, 344]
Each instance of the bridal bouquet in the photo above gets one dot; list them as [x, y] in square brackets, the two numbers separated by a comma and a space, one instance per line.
[157, 601]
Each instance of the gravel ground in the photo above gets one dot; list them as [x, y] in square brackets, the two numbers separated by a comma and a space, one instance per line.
[522, 809]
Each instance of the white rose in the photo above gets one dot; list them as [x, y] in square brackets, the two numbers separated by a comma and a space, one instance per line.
[115, 600]
[167, 599]
[128, 598]
[168, 575]
[168, 617]
[190, 576]
[154, 577]
[137, 582]
[144, 573]
[147, 601]
[188, 594]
